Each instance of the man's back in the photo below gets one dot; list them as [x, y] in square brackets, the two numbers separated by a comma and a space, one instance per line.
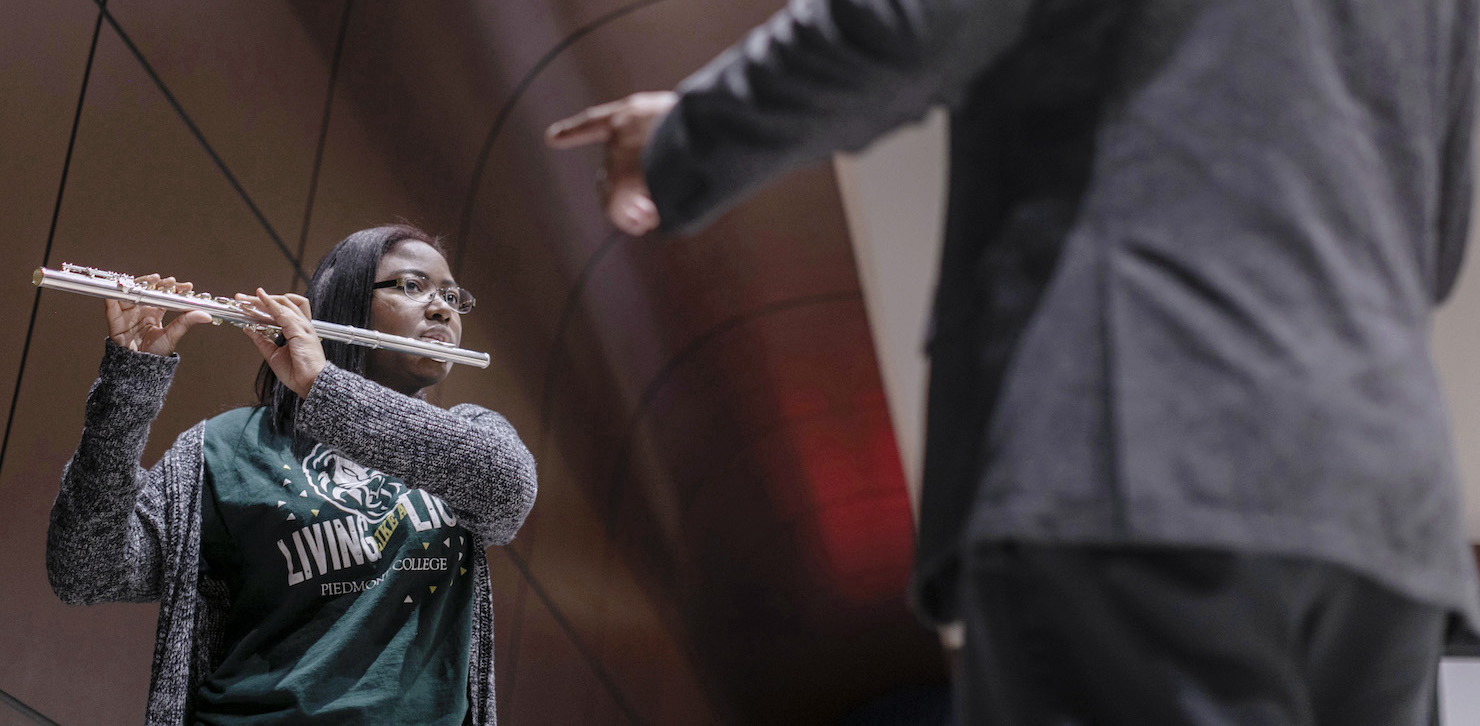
[1185, 298]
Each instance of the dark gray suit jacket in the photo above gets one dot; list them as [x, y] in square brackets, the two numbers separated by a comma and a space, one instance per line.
[1190, 260]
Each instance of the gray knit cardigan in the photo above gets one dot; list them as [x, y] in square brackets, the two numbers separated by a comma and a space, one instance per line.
[121, 533]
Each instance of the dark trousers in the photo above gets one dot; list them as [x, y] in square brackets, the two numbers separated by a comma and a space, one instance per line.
[1161, 636]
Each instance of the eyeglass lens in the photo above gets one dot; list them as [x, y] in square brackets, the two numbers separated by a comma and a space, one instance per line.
[419, 290]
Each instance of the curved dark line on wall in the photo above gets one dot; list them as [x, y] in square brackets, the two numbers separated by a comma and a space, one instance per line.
[689, 498]
[771, 537]
[502, 117]
[318, 154]
[567, 312]
[661, 378]
[200, 137]
[51, 234]
[575, 641]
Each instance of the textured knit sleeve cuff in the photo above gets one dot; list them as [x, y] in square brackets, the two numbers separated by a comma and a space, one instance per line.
[131, 385]
[333, 397]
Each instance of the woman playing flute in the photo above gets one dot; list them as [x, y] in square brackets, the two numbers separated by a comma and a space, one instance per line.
[318, 557]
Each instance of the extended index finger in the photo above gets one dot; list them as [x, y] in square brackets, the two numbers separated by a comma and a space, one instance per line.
[301, 303]
[587, 127]
[285, 315]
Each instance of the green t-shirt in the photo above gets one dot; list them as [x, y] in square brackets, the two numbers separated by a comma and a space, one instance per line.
[351, 593]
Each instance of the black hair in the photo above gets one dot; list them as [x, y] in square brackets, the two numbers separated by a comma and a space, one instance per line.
[339, 292]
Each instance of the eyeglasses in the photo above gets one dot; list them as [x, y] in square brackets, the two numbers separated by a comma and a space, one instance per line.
[419, 290]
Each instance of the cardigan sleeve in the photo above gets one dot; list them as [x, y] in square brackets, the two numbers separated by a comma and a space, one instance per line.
[106, 538]
[470, 457]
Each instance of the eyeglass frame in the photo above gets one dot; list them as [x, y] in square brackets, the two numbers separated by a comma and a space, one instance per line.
[433, 292]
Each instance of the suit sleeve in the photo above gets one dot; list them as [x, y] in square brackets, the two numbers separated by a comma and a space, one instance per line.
[820, 76]
[106, 538]
[470, 457]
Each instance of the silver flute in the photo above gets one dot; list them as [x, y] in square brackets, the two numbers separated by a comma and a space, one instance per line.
[122, 286]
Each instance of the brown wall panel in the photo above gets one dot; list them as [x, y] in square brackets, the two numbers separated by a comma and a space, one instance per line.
[651, 660]
[252, 81]
[44, 51]
[547, 656]
[630, 637]
[145, 196]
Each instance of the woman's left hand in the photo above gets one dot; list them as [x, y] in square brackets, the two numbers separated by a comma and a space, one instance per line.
[300, 359]
[142, 328]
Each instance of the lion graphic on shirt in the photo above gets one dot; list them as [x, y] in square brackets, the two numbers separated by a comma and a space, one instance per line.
[350, 487]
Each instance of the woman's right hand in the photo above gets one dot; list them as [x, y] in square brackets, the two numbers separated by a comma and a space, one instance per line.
[142, 328]
[299, 358]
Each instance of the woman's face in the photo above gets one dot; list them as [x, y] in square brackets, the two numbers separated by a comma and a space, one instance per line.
[392, 312]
